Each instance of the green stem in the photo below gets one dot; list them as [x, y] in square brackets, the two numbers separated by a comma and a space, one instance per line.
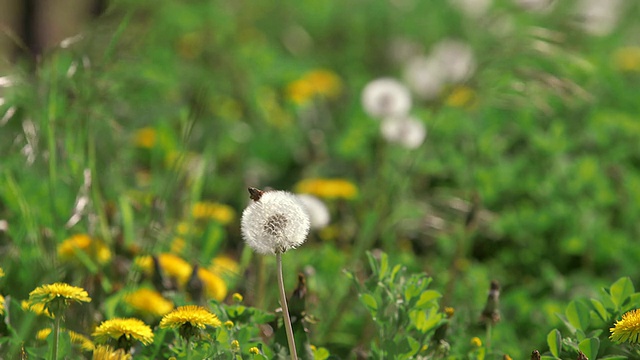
[488, 340]
[285, 310]
[56, 338]
[188, 350]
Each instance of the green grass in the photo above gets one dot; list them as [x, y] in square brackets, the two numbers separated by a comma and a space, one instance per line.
[534, 182]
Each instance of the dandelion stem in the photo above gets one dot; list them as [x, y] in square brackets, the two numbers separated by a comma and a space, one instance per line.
[56, 338]
[188, 350]
[285, 309]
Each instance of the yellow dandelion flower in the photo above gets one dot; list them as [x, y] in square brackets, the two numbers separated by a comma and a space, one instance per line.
[462, 96]
[328, 188]
[627, 59]
[145, 138]
[189, 319]
[254, 351]
[206, 210]
[123, 330]
[38, 309]
[193, 315]
[43, 334]
[476, 342]
[149, 301]
[1, 305]
[300, 91]
[55, 297]
[224, 266]
[96, 249]
[175, 267]
[79, 339]
[215, 287]
[627, 329]
[103, 352]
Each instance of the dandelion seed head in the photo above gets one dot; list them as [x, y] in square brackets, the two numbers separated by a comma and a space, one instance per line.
[408, 132]
[275, 223]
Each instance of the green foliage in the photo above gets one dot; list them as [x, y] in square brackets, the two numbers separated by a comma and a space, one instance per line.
[588, 322]
[406, 313]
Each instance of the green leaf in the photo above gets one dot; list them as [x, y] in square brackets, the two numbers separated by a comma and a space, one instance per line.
[370, 302]
[426, 297]
[384, 266]
[614, 357]
[590, 347]
[599, 309]
[578, 315]
[423, 320]
[621, 290]
[554, 340]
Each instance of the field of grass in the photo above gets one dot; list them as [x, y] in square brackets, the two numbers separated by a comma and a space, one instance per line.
[441, 148]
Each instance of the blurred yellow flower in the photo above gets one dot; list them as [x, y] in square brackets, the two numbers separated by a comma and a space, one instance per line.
[95, 249]
[206, 210]
[79, 339]
[328, 188]
[175, 267]
[38, 309]
[462, 96]
[237, 297]
[254, 351]
[476, 342]
[1, 272]
[228, 324]
[224, 266]
[1, 305]
[627, 59]
[55, 297]
[43, 334]
[177, 245]
[627, 329]
[129, 329]
[145, 138]
[235, 346]
[149, 301]
[102, 352]
[215, 287]
[314, 83]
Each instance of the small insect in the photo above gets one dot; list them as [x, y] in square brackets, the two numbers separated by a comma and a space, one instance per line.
[255, 194]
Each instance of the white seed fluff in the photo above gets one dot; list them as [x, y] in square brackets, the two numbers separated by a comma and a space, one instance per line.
[408, 132]
[386, 97]
[275, 223]
[317, 210]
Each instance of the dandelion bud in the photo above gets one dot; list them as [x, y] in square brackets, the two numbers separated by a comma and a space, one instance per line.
[274, 222]
[535, 355]
[491, 312]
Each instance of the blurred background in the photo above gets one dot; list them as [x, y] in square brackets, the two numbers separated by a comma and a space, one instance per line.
[474, 140]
